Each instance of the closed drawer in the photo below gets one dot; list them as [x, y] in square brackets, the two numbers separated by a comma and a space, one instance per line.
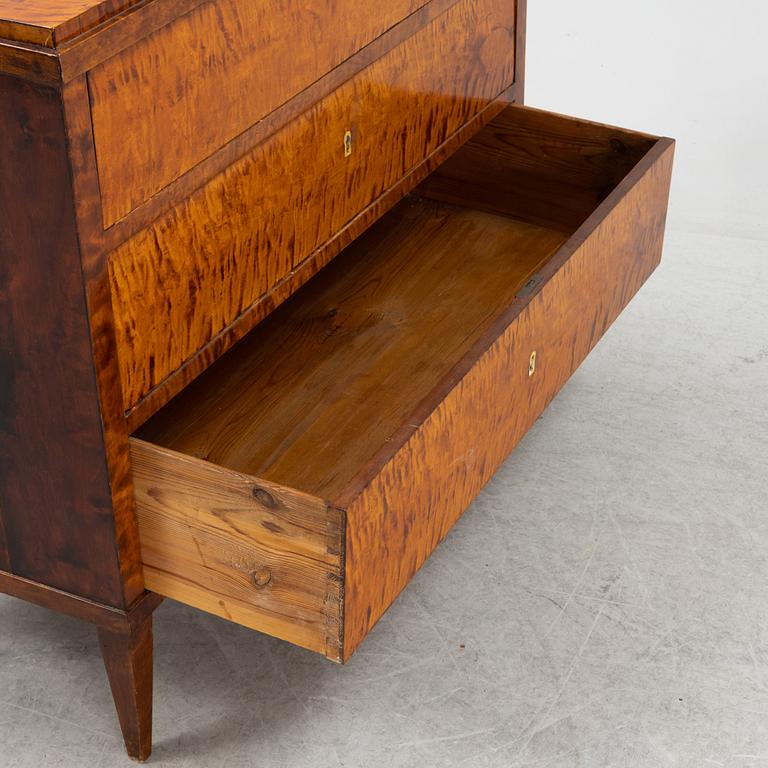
[179, 94]
[299, 484]
[179, 284]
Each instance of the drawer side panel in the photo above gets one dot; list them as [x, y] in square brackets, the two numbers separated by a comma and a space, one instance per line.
[398, 517]
[252, 552]
[195, 271]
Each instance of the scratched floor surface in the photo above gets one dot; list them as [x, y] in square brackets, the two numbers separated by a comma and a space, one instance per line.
[603, 603]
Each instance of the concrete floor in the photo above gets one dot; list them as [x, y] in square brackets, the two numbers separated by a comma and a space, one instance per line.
[603, 603]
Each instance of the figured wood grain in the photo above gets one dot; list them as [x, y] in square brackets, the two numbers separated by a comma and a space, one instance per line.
[323, 383]
[175, 97]
[399, 511]
[245, 322]
[96, 242]
[397, 380]
[51, 22]
[181, 282]
[239, 547]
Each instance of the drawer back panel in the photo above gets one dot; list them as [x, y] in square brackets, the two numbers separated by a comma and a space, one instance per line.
[189, 276]
[175, 97]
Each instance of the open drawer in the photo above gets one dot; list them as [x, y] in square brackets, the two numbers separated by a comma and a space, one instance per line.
[298, 484]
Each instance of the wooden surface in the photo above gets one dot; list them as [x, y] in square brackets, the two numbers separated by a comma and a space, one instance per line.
[205, 263]
[549, 169]
[178, 95]
[244, 549]
[51, 22]
[315, 391]
[55, 490]
[397, 380]
[73, 605]
[399, 512]
[297, 277]
[127, 654]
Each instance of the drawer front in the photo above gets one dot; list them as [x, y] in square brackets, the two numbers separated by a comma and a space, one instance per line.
[396, 381]
[252, 552]
[170, 100]
[412, 502]
[191, 274]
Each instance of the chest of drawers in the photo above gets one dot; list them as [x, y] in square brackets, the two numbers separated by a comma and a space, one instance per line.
[281, 285]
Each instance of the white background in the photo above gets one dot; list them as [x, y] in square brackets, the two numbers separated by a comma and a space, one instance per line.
[695, 71]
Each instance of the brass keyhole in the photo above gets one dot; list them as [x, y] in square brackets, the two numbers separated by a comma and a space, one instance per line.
[347, 143]
[532, 363]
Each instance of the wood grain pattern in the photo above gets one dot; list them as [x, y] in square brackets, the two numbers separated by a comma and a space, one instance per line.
[127, 654]
[397, 380]
[73, 605]
[316, 390]
[549, 169]
[240, 547]
[178, 95]
[30, 62]
[52, 456]
[207, 261]
[399, 512]
[297, 277]
[96, 242]
[52, 22]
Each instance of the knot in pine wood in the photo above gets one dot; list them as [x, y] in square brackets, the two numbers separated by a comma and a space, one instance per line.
[261, 577]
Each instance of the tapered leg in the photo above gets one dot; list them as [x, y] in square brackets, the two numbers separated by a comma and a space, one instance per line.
[127, 656]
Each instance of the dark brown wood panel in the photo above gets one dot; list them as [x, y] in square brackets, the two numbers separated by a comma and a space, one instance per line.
[399, 511]
[178, 95]
[180, 283]
[55, 495]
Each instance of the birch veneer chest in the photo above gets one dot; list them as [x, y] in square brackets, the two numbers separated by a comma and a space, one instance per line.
[281, 284]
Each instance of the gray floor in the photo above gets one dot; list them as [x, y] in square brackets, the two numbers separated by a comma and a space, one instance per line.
[603, 603]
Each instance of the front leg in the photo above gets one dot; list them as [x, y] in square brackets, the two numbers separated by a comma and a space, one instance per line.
[127, 653]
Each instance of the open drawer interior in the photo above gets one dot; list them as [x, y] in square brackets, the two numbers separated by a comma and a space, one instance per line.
[299, 483]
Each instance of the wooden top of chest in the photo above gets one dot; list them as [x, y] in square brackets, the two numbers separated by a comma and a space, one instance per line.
[52, 22]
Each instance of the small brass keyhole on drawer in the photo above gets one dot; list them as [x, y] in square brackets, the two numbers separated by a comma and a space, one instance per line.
[347, 143]
[532, 363]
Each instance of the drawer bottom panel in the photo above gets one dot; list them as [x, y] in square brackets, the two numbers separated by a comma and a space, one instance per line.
[300, 483]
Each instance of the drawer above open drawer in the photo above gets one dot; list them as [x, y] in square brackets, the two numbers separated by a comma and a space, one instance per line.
[299, 484]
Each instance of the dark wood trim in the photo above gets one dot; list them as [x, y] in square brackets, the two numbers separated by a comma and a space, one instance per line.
[127, 654]
[75, 606]
[30, 62]
[98, 296]
[85, 175]
[307, 269]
